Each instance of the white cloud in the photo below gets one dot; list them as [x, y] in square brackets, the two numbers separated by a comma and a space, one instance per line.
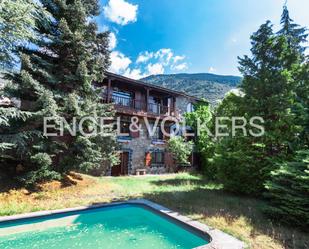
[120, 12]
[180, 67]
[144, 57]
[164, 55]
[178, 58]
[156, 68]
[120, 62]
[134, 73]
[211, 70]
[147, 63]
[112, 41]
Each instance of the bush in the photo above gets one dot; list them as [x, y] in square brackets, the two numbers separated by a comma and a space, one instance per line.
[288, 191]
[180, 149]
[242, 166]
[42, 172]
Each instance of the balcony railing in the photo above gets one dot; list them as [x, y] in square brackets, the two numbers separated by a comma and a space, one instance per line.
[139, 105]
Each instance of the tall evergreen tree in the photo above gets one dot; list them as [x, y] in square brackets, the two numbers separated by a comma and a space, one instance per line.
[275, 84]
[294, 33]
[288, 188]
[57, 80]
[269, 89]
[296, 61]
[244, 162]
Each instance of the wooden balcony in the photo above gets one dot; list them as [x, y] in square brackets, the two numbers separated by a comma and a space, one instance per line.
[139, 108]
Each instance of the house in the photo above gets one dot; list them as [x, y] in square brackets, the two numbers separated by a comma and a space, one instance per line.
[144, 149]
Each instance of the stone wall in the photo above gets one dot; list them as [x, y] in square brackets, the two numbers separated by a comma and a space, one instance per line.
[141, 144]
[139, 147]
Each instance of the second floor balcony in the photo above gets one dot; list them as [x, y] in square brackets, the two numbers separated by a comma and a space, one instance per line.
[128, 103]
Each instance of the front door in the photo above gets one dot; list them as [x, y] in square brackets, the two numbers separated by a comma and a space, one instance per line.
[122, 167]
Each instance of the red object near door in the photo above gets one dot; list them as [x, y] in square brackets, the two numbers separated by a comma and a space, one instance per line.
[148, 159]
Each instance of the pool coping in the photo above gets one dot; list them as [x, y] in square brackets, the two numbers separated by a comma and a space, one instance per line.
[218, 239]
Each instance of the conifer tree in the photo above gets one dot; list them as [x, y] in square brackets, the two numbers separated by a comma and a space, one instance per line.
[275, 79]
[294, 33]
[288, 188]
[56, 80]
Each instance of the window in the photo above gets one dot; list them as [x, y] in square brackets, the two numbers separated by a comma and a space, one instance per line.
[154, 105]
[157, 157]
[122, 98]
[123, 125]
[157, 132]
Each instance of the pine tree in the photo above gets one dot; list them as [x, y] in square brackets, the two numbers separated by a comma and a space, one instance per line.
[294, 33]
[272, 79]
[288, 188]
[269, 90]
[244, 162]
[56, 80]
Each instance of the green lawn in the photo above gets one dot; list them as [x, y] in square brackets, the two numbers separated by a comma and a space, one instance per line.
[191, 195]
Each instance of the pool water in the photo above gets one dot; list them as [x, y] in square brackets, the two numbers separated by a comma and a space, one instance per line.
[121, 227]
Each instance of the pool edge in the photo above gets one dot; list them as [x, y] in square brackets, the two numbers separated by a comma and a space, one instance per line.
[218, 239]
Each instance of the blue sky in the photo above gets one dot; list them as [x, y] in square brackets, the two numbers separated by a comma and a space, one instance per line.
[173, 36]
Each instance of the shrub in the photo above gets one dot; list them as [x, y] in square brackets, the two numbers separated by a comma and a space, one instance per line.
[180, 149]
[242, 167]
[41, 172]
[288, 191]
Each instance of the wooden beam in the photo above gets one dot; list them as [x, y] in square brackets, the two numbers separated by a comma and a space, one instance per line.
[109, 83]
[147, 98]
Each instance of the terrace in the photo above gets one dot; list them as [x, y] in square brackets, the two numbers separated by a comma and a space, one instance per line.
[129, 103]
[138, 98]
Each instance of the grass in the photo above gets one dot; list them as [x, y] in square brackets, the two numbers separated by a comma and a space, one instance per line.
[191, 195]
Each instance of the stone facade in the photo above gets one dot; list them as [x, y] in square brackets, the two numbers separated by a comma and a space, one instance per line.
[140, 146]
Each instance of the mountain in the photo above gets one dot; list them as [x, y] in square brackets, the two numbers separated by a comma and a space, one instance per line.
[212, 87]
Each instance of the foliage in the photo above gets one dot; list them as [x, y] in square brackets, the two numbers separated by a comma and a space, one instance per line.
[180, 149]
[201, 121]
[241, 162]
[241, 166]
[42, 170]
[288, 190]
[56, 81]
[17, 27]
[271, 77]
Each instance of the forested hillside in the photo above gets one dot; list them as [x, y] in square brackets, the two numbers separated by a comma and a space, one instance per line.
[210, 86]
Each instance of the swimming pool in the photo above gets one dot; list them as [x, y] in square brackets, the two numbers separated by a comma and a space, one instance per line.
[117, 226]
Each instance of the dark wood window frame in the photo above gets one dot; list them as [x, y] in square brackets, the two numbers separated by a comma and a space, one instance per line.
[157, 157]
